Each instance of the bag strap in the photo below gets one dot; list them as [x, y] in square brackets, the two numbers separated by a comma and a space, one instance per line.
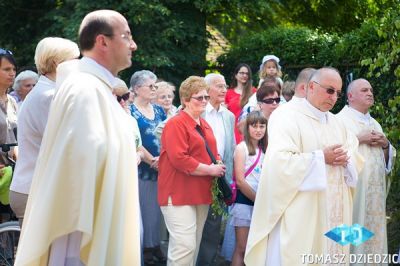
[198, 128]
[252, 166]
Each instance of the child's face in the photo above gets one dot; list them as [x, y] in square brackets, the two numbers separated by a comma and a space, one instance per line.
[270, 67]
[257, 131]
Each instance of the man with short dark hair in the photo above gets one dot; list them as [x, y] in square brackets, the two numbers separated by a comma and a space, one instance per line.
[83, 205]
[304, 191]
[370, 196]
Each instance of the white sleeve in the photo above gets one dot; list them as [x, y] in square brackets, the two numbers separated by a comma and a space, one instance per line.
[350, 174]
[389, 164]
[316, 178]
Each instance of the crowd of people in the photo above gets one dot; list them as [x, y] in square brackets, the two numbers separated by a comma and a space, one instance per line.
[104, 168]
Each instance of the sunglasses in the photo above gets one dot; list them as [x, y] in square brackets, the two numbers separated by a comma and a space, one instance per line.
[271, 100]
[330, 90]
[4, 51]
[201, 98]
[124, 97]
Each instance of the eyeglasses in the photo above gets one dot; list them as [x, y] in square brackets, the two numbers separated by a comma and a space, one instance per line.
[4, 51]
[152, 86]
[243, 73]
[330, 90]
[221, 86]
[125, 36]
[271, 100]
[163, 97]
[124, 97]
[201, 98]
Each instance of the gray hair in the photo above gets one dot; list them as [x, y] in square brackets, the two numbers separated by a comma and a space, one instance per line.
[139, 78]
[24, 75]
[208, 79]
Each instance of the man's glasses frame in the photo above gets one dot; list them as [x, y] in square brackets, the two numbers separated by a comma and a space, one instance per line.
[271, 100]
[330, 90]
[201, 98]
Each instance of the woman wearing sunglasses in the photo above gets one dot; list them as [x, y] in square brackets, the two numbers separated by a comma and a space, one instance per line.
[148, 116]
[186, 173]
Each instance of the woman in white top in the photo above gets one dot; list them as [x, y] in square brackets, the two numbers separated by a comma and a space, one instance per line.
[248, 159]
[32, 117]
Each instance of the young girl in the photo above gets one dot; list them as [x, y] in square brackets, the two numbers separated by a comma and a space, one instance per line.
[248, 159]
[270, 68]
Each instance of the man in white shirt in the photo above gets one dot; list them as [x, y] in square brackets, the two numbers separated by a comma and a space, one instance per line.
[370, 197]
[222, 122]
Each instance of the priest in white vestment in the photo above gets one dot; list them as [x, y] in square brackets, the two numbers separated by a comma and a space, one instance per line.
[83, 205]
[310, 167]
[370, 197]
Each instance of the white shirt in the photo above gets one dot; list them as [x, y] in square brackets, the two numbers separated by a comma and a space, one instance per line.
[215, 120]
[32, 120]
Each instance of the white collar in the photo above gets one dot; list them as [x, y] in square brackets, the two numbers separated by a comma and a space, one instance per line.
[321, 116]
[363, 118]
[107, 74]
[210, 108]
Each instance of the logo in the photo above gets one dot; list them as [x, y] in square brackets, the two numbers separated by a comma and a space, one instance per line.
[354, 234]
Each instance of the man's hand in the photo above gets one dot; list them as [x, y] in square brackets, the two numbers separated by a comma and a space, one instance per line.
[365, 137]
[336, 155]
[379, 139]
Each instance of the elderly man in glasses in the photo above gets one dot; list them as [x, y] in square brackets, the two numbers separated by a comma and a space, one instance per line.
[370, 197]
[309, 169]
[222, 122]
[83, 204]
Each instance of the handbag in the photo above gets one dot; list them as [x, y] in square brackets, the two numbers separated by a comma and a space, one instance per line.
[226, 192]
[234, 186]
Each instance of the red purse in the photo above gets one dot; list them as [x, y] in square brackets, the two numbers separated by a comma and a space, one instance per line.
[233, 186]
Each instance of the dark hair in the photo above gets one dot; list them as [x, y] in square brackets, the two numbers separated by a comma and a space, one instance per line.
[268, 87]
[89, 32]
[254, 118]
[247, 91]
[7, 55]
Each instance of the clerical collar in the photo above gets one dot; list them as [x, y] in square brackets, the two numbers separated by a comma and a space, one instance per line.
[363, 118]
[210, 108]
[107, 74]
[321, 116]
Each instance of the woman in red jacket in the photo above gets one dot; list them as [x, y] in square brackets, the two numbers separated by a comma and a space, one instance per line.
[186, 173]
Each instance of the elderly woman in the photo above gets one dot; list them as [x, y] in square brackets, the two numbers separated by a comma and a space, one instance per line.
[8, 106]
[186, 173]
[165, 96]
[32, 117]
[23, 84]
[148, 116]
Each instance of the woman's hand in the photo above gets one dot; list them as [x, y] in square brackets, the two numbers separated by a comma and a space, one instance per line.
[217, 170]
[154, 162]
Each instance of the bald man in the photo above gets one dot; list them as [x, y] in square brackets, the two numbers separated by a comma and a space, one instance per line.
[83, 204]
[308, 170]
[370, 197]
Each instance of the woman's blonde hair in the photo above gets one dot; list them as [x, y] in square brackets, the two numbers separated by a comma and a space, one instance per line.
[190, 86]
[52, 51]
[163, 86]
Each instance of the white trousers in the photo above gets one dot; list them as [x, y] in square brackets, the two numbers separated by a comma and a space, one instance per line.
[185, 226]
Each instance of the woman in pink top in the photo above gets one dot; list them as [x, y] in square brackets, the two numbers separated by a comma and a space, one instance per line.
[239, 93]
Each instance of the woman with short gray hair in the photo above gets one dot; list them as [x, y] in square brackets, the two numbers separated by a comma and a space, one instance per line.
[23, 84]
[148, 116]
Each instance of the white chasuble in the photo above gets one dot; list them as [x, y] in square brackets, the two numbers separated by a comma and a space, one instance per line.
[296, 134]
[86, 176]
[370, 197]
